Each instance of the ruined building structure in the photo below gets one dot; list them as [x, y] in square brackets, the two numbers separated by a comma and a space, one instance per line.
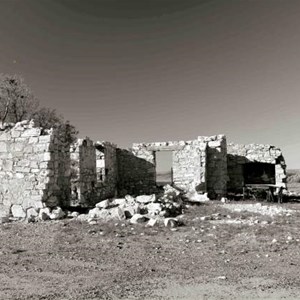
[38, 168]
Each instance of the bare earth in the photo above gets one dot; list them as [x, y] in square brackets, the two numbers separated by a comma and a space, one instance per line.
[237, 255]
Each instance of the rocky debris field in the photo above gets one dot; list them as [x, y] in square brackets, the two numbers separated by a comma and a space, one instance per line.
[219, 251]
[150, 209]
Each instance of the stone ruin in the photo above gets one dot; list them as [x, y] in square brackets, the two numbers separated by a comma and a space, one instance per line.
[38, 169]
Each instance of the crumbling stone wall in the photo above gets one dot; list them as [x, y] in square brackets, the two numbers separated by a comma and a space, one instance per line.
[39, 168]
[33, 169]
[136, 175]
[137, 168]
[238, 155]
[189, 166]
[94, 172]
[106, 169]
[216, 165]
[83, 173]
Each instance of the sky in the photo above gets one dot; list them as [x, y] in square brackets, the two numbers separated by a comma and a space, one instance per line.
[161, 70]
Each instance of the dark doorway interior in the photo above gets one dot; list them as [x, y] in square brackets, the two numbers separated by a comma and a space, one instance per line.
[259, 173]
[164, 167]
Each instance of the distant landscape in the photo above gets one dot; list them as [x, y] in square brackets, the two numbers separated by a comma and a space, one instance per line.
[163, 178]
[293, 180]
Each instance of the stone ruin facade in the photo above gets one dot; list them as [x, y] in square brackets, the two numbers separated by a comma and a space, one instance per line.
[38, 168]
[243, 159]
[199, 164]
[33, 169]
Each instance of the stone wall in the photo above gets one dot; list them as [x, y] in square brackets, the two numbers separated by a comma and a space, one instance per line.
[189, 166]
[106, 169]
[39, 169]
[83, 173]
[137, 168]
[239, 155]
[136, 175]
[33, 169]
[216, 165]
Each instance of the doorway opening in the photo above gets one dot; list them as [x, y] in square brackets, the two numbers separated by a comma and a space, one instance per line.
[164, 171]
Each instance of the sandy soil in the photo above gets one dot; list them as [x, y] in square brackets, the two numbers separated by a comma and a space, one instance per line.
[204, 259]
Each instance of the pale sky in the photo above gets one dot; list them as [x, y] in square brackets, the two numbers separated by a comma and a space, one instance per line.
[158, 70]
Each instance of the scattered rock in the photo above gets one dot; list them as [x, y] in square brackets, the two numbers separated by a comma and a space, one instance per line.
[138, 218]
[82, 217]
[92, 222]
[154, 208]
[18, 212]
[44, 214]
[224, 200]
[57, 213]
[103, 204]
[152, 222]
[131, 209]
[171, 222]
[120, 201]
[31, 214]
[145, 198]
[193, 196]
[129, 199]
[117, 213]
[74, 214]
[205, 218]
[97, 213]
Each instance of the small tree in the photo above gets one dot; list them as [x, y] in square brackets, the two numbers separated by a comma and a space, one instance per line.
[17, 102]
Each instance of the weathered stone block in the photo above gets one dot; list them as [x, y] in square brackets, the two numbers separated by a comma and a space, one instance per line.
[3, 147]
[17, 211]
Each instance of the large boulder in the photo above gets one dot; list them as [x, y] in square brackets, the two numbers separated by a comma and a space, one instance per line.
[18, 212]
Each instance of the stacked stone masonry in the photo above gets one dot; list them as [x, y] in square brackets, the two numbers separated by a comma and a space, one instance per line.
[39, 169]
[106, 170]
[33, 169]
[83, 172]
[240, 155]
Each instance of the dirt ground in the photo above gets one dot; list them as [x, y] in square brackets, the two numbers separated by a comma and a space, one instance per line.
[237, 255]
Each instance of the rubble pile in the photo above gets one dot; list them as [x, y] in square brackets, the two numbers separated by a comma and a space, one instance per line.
[162, 208]
[145, 208]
